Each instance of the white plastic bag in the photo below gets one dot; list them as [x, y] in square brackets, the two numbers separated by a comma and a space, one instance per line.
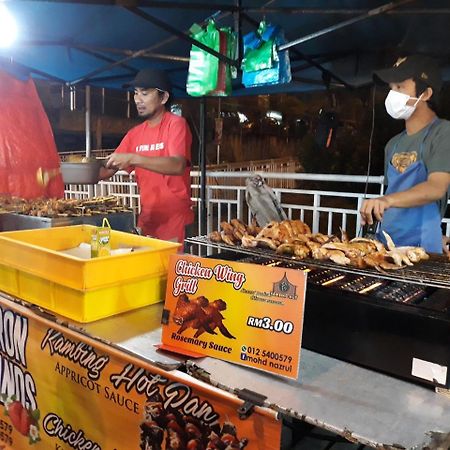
[262, 201]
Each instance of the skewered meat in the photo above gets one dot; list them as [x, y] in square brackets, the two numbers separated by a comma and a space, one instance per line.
[61, 207]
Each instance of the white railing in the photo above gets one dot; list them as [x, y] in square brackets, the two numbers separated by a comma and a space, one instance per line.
[323, 210]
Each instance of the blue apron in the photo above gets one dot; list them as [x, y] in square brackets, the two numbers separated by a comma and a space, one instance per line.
[419, 226]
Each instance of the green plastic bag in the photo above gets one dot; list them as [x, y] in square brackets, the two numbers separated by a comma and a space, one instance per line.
[203, 67]
[225, 73]
[260, 49]
[207, 75]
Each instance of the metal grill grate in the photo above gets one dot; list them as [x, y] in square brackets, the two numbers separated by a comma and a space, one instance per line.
[434, 272]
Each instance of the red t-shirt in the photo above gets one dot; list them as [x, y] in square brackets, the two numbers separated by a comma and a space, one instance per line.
[171, 137]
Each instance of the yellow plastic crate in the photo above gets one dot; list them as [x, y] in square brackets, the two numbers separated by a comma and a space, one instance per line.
[33, 268]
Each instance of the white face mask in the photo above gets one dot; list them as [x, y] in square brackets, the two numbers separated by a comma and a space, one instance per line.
[396, 105]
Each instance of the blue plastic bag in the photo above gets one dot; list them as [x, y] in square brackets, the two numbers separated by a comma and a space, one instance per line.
[263, 64]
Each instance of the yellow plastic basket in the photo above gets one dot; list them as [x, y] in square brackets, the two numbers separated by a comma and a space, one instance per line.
[33, 268]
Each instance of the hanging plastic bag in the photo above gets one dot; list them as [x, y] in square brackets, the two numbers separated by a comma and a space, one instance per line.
[263, 64]
[203, 67]
[207, 75]
[221, 86]
[262, 201]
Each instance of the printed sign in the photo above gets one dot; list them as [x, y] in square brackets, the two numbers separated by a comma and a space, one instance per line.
[62, 390]
[243, 313]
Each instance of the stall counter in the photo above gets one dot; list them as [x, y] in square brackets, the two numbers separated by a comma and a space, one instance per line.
[363, 406]
[103, 386]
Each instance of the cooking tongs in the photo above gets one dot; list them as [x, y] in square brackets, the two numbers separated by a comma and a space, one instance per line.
[369, 231]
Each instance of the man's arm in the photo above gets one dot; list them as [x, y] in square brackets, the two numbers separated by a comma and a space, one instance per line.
[423, 193]
[165, 165]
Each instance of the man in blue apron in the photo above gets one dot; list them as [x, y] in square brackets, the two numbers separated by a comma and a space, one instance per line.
[417, 161]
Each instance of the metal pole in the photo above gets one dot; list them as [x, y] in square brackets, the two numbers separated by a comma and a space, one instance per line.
[370, 13]
[170, 29]
[73, 98]
[219, 131]
[88, 121]
[341, 11]
[128, 104]
[202, 164]
[238, 31]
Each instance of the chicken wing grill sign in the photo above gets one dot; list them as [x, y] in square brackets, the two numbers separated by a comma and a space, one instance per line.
[242, 313]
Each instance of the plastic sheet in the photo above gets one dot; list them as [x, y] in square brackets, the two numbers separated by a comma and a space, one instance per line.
[26, 141]
[262, 201]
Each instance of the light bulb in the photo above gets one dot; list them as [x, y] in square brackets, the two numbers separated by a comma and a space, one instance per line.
[8, 27]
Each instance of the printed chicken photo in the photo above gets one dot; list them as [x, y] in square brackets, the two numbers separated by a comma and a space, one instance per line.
[200, 314]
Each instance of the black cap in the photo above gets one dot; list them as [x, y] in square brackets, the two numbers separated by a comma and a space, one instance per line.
[417, 67]
[151, 78]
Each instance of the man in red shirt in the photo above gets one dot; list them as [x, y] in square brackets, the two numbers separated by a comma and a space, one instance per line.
[159, 151]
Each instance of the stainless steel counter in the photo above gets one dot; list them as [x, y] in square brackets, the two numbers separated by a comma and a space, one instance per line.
[122, 221]
[361, 405]
[136, 332]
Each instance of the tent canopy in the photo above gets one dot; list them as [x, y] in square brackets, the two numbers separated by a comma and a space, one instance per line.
[342, 41]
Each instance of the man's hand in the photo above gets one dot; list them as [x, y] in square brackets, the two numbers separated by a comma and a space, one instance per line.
[374, 207]
[446, 245]
[119, 161]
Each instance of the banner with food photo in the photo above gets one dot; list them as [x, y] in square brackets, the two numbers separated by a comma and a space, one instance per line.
[61, 389]
[242, 313]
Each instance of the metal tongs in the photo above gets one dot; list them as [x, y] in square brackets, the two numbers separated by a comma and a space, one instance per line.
[369, 231]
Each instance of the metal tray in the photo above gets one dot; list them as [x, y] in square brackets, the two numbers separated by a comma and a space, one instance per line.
[81, 172]
[121, 221]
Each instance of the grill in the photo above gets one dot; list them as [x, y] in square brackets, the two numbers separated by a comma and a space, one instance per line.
[380, 320]
[434, 272]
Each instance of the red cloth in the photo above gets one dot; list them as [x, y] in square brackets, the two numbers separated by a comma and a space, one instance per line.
[166, 205]
[26, 141]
